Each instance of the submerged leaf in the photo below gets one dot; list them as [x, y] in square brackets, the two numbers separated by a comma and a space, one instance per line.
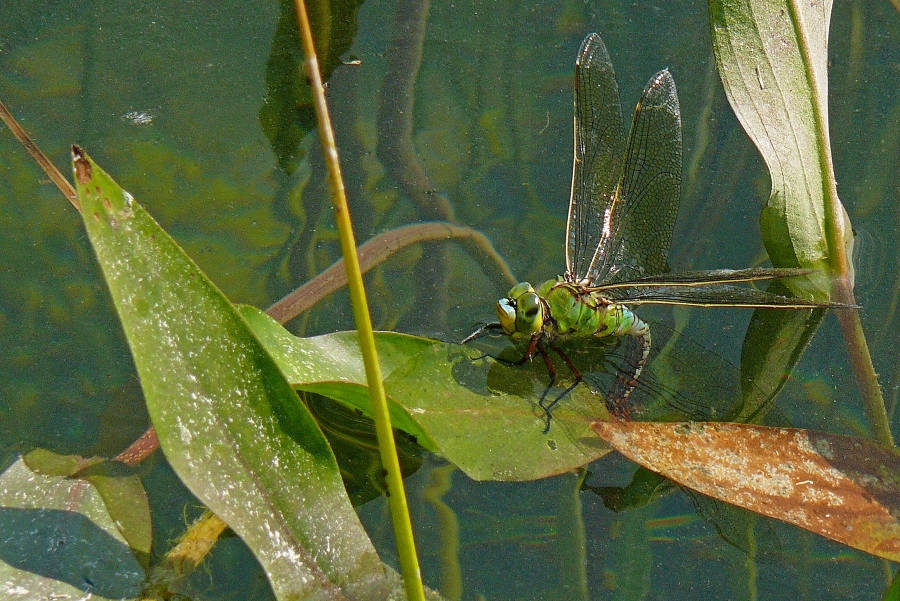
[59, 541]
[228, 421]
[774, 343]
[843, 488]
[355, 445]
[288, 114]
[120, 488]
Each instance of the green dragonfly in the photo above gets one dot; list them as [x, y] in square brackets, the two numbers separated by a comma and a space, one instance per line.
[622, 210]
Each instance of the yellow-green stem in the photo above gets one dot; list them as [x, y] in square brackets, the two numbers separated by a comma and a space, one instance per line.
[409, 563]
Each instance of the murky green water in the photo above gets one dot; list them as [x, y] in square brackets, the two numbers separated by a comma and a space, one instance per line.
[166, 97]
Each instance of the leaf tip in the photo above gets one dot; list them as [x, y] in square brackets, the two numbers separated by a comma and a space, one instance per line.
[83, 169]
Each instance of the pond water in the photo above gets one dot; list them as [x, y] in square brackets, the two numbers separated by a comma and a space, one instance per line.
[167, 98]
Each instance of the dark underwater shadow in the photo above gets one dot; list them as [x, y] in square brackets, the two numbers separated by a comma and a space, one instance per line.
[66, 546]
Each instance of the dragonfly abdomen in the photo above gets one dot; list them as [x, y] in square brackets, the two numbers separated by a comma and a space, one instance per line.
[637, 352]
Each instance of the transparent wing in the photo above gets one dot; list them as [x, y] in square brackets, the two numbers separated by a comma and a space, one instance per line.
[709, 288]
[711, 276]
[637, 227]
[599, 151]
[711, 295]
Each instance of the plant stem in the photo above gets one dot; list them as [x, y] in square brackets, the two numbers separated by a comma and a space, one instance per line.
[409, 562]
[49, 168]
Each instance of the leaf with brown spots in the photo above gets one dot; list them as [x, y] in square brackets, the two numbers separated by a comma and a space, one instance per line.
[843, 488]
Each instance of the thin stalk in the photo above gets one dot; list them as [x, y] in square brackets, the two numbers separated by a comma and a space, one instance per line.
[409, 563]
[842, 287]
[49, 168]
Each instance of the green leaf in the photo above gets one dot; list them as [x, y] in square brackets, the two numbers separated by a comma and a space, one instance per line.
[126, 501]
[476, 412]
[48, 463]
[483, 415]
[226, 418]
[775, 89]
[120, 488]
[58, 537]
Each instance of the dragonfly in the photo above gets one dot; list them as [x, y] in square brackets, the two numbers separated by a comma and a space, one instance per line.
[622, 210]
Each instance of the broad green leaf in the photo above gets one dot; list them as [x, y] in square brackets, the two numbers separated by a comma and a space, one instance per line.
[332, 366]
[479, 414]
[120, 488]
[58, 541]
[482, 414]
[770, 84]
[230, 424]
[48, 463]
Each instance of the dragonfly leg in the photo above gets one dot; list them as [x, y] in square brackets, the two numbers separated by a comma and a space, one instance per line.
[575, 372]
[482, 331]
[534, 344]
[551, 370]
[485, 330]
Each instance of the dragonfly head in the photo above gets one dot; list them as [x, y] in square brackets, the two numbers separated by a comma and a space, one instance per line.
[521, 313]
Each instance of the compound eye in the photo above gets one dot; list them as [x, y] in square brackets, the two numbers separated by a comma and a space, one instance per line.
[529, 313]
[529, 305]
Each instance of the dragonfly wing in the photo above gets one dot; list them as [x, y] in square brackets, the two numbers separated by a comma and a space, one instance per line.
[712, 276]
[708, 295]
[599, 151]
[638, 228]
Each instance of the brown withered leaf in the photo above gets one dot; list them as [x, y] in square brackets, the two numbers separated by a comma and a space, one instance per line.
[843, 488]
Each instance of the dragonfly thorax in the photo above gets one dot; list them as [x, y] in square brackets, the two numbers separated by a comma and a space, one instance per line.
[577, 310]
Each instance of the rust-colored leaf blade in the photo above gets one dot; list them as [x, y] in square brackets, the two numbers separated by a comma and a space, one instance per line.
[843, 488]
